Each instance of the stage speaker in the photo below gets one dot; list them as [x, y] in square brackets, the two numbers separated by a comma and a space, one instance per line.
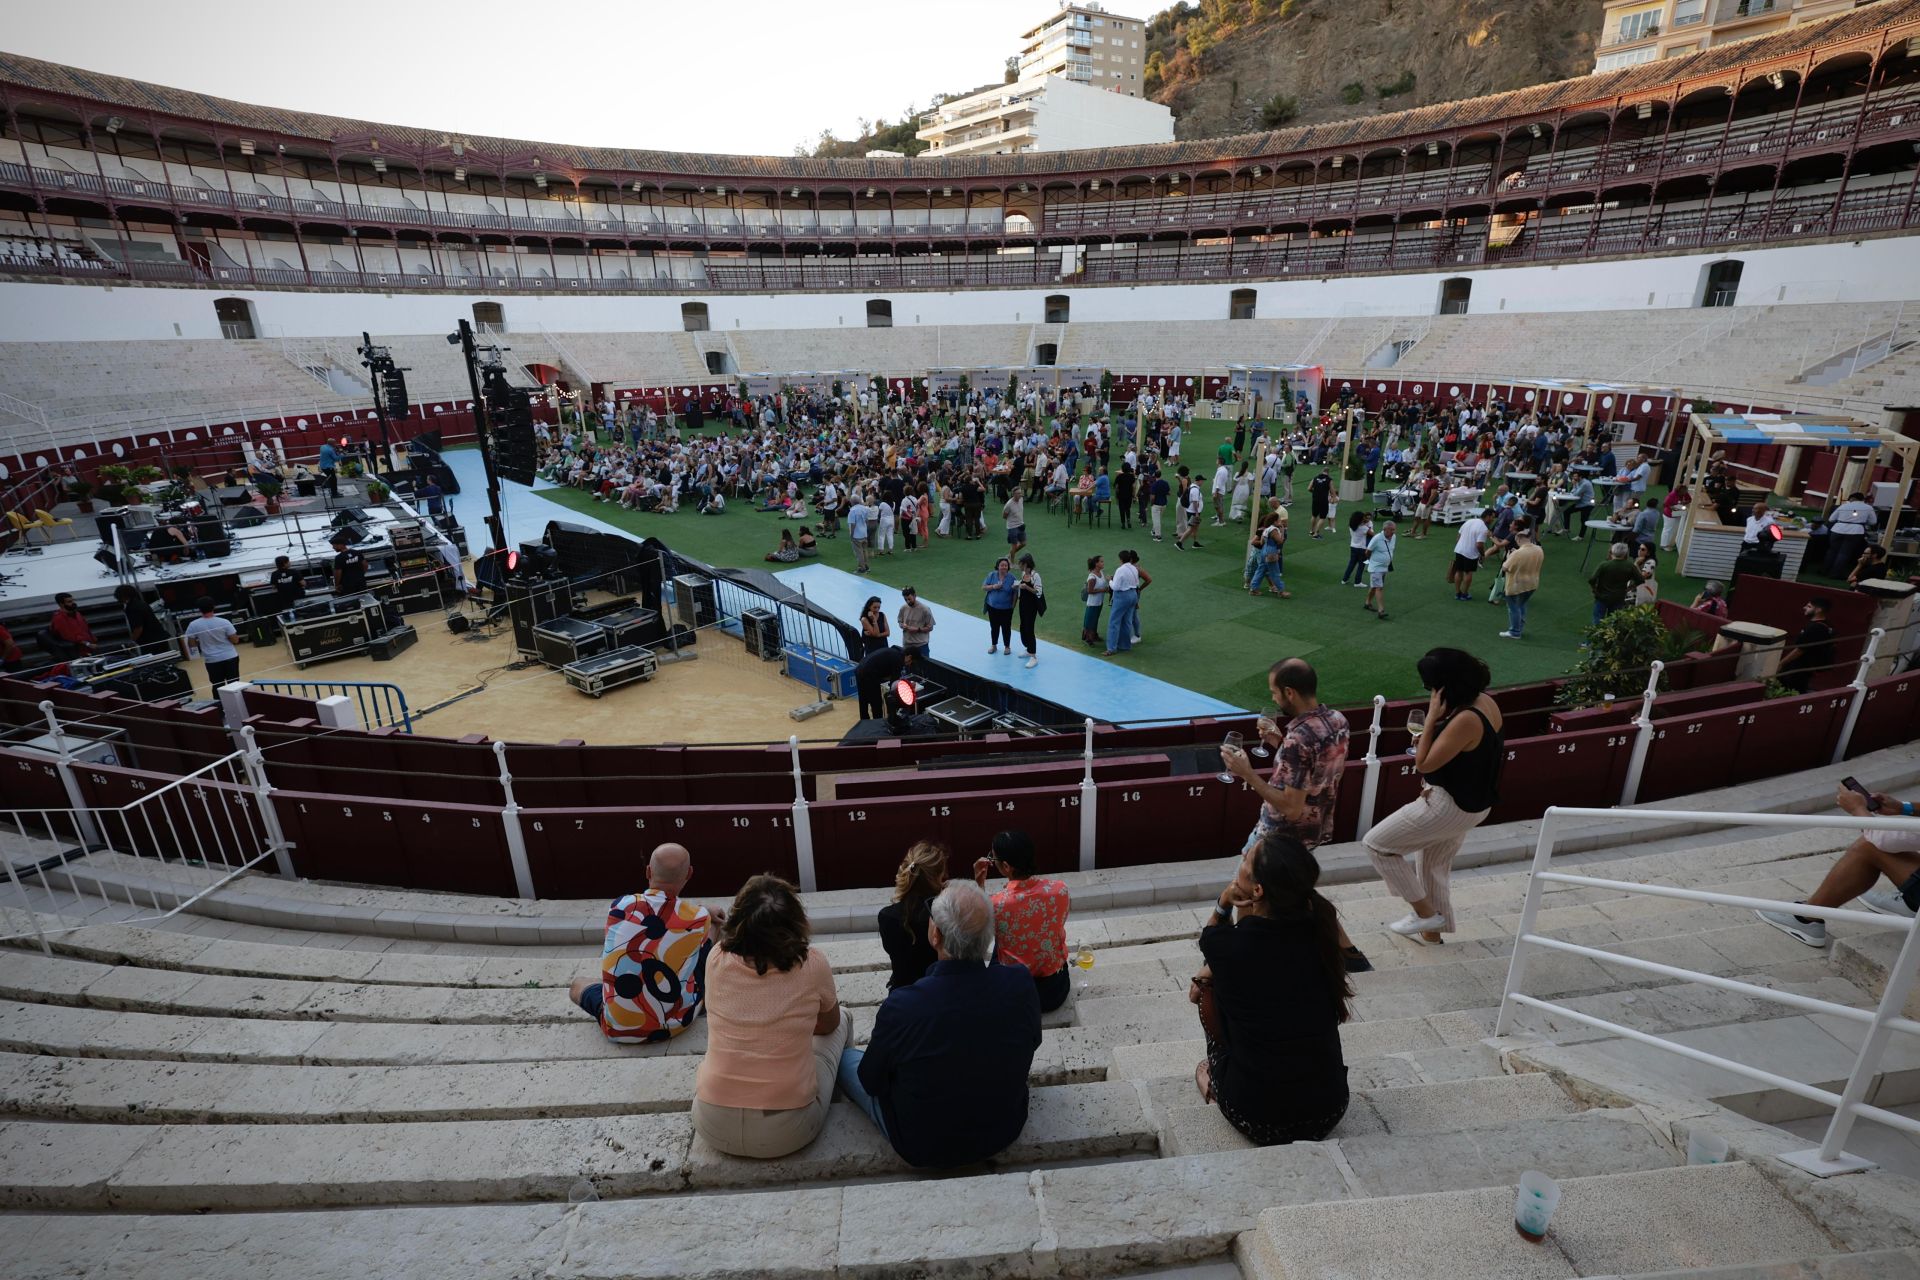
[246, 517]
[393, 387]
[531, 602]
[459, 623]
[760, 628]
[1762, 564]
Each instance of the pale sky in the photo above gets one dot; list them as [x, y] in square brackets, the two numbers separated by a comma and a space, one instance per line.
[740, 76]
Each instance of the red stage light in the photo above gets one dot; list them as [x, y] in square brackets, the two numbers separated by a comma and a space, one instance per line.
[904, 693]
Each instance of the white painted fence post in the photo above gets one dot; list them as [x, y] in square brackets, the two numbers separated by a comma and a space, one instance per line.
[1874, 637]
[256, 765]
[510, 823]
[1517, 965]
[1370, 786]
[82, 819]
[1089, 804]
[1643, 735]
[802, 824]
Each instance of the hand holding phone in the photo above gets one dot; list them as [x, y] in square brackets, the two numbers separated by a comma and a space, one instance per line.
[1853, 784]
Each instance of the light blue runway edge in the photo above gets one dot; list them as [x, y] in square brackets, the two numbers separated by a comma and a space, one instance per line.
[523, 511]
[1088, 685]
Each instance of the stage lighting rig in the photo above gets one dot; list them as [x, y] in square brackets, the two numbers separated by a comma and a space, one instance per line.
[389, 388]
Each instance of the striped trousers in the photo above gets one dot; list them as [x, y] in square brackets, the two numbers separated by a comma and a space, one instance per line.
[1432, 828]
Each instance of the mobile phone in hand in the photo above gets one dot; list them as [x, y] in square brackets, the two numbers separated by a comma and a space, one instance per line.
[1853, 784]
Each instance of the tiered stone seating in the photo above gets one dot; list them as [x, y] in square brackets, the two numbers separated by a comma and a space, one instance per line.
[214, 1096]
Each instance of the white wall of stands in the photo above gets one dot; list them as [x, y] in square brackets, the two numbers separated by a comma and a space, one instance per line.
[1858, 271]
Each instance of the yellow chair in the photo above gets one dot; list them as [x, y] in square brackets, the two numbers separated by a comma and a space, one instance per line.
[46, 522]
[19, 524]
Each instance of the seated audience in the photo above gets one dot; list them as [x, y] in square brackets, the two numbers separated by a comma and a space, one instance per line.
[788, 551]
[653, 962]
[1272, 995]
[809, 545]
[944, 1075]
[903, 922]
[1029, 917]
[1893, 854]
[775, 1029]
[1712, 599]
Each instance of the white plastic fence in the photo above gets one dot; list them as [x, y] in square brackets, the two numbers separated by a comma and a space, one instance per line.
[1882, 1021]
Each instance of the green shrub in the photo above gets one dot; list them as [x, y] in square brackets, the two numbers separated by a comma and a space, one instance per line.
[1352, 92]
[1403, 85]
[1278, 110]
[1621, 648]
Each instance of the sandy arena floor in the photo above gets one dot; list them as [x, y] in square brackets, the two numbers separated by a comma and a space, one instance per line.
[725, 695]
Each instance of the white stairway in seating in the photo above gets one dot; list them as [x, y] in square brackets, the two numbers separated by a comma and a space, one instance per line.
[216, 1094]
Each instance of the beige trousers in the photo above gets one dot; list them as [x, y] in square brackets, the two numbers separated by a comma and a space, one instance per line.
[1433, 827]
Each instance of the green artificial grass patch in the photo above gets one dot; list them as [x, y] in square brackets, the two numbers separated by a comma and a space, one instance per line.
[1200, 628]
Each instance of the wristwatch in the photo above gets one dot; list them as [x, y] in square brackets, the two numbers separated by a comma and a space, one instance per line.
[1906, 808]
[1221, 909]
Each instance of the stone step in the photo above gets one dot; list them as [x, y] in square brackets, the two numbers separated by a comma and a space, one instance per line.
[1117, 1217]
[199, 1168]
[1195, 1127]
[1617, 1223]
[1876, 1264]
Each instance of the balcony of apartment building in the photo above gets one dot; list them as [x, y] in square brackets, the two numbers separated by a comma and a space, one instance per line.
[987, 117]
[1020, 136]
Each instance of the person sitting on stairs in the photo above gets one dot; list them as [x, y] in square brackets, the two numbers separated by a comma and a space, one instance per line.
[1893, 854]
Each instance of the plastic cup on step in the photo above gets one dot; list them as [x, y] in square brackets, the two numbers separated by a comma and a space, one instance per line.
[1706, 1148]
[582, 1192]
[1534, 1203]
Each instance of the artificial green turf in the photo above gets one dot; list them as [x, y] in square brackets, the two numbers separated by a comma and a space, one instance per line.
[1200, 628]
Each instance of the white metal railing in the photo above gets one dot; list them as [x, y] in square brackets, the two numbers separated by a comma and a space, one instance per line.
[192, 835]
[1829, 1157]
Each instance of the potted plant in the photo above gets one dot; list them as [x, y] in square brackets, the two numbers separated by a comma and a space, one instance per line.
[377, 492]
[270, 490]
[80, 492]
[113, 480]
[1621, 648]
[352, 469]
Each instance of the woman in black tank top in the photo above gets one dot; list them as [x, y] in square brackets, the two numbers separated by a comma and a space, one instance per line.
[1459, 758]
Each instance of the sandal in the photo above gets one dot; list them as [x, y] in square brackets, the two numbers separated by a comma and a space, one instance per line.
[1203, 1079]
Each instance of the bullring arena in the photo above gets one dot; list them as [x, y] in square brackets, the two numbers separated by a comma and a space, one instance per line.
[485, 457]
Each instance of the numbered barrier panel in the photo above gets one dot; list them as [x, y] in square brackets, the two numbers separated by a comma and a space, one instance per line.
[29, 780]
[602, 853]
[555, 776]
[1690, 753]
[1061, 772]
[859, 843]
[1786, 735]
[403, 843]
[1346, 808]
[212, 822]
[1585, 768]
[1889, 716]
[1400, 783]
[1170, 819]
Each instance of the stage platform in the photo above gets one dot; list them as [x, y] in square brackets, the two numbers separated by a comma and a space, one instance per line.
[522, 510]
[1089, 684]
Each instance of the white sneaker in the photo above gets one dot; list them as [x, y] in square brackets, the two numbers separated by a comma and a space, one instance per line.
[1508, 635]
[1888, 902]
[1410, 924]
[1033, 660]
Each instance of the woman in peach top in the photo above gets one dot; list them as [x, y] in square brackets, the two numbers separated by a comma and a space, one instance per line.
[774, 1029]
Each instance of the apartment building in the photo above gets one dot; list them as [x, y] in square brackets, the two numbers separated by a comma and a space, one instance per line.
[1047, 113]
[1086, 44]
[1636, 31]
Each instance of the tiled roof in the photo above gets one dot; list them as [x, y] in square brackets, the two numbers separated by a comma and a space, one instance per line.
[23, 77]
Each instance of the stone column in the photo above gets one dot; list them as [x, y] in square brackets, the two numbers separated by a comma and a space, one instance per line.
[1892, 613]
[1760, 649]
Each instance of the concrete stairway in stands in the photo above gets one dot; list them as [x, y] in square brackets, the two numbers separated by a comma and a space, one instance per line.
[211, 1097]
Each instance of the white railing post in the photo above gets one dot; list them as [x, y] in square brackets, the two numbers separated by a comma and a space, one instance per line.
[1089, 803]
[1874, 637]
[256, 766]
[1517, 965]
[1830, 1157]
[1643, 735]
[802, 823]
[1370, 782]
[82, 817]
[510, 823]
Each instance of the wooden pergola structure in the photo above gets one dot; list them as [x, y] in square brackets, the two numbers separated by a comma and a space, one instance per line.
[1708, 433]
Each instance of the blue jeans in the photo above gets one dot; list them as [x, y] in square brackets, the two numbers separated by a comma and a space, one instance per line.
[1517, 612]
[1268, 572]
[849, 1078]
[1601, 609]
[1120, 621]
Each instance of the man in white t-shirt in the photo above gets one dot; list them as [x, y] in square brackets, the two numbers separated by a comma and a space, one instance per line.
[213, 638]
[1222, 481]
[1467, 550]
[1195, 504]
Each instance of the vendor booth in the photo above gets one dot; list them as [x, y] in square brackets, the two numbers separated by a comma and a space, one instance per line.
[1772, 447]
[1261, 387]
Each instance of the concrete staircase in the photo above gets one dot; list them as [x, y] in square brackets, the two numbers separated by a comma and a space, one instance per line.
[248, 1094]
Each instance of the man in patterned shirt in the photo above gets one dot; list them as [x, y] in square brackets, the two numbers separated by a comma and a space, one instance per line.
[1301, 794]
[1029, 917]
[653, 964]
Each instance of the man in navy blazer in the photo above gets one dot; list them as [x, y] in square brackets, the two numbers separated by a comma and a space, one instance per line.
[944, 1075]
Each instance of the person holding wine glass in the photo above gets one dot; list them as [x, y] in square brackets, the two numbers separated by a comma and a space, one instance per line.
[1029, 917]
[1458, 751]
[1309, 757]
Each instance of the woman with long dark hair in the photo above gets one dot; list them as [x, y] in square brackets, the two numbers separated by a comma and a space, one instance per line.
[1458, 756]
[1094, 596]
[903, 922]
[774, 1029]
[1033, 603]
[1272, 995]
[873, 627]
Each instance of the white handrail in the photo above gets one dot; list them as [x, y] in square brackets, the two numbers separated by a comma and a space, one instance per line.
[1830, 1157]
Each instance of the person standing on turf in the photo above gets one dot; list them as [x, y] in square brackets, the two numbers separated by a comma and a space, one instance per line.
[1222, 482]
[1195, 505]
[1380, 549]
[1320, 490]
[1522, 572]
[1161, 491]
[1014, 512]
[857, 530]
[1467, 550]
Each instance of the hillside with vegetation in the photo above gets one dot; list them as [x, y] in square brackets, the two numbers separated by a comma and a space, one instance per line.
[1237, 66]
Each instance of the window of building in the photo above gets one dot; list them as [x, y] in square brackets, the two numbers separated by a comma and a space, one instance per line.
[1720, 283]
[236, 318]
[490, 315]
[1632, 57]
[879, 313]
[693, 317]
[1681, 50]
[1059, 309]
[1455, 294]
[1752, 8]
[1635, 25]
[1688, 11]
[1241, 305]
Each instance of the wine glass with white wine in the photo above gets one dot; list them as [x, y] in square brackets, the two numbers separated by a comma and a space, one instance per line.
[1234, 741]
[1265, 726]
[1416, 724]
[1083, 961]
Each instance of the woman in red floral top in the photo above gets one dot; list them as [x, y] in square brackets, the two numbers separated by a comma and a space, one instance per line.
[1029, 917]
